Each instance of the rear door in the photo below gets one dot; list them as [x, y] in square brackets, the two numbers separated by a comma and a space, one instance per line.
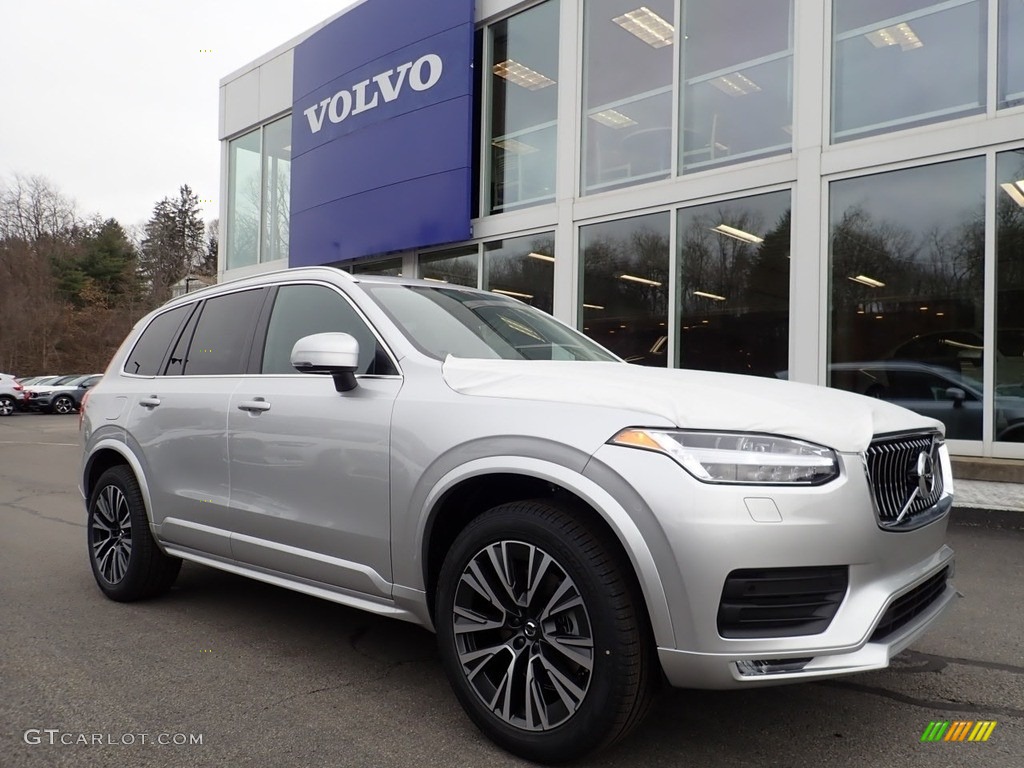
[310, 466]
[179, 420]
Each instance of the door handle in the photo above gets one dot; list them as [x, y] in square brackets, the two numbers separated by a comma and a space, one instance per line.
[254, 406]
[150, 402]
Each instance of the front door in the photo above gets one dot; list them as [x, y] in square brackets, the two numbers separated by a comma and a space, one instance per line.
[310, 467]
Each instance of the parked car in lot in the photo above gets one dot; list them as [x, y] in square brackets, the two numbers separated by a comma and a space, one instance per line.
[12, 394]
[574, 528]
[63, 396]
[941, 393]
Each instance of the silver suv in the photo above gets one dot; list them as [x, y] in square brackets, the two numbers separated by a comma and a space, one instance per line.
[574, 528]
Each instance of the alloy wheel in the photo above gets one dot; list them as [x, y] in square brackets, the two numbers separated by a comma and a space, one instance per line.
[112, 534]
[63, 405]
[6, 406]
[523, 635]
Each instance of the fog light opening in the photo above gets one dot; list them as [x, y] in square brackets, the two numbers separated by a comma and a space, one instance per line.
[762, 667]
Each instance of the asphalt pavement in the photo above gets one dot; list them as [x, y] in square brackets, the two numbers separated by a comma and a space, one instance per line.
[228, 672]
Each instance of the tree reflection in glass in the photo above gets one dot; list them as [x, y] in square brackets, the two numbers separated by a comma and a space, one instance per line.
[1009, 353]
[734, 285]
[454, 265]
[523, 268]
[907, 280]
[625, 277]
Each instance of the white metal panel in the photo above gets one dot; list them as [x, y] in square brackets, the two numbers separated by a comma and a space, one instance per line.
[241, 103]
[276, 85]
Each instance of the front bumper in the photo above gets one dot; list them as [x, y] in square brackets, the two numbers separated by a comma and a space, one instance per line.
[706, 532]
[788, 664]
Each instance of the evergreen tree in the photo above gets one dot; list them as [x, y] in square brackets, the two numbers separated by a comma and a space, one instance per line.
[173, 245]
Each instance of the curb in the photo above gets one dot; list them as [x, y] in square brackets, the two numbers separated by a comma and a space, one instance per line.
[986, 517]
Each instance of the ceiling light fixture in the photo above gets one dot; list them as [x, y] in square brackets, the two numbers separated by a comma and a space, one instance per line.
[521, 75]
[592, 306]
[648, 26]
[1015, 189]
[870, 282]
[515, 294]
[514, 146]
[435, 280]
[541, 256]
[706, 295]
[735, 84]
[898, 34]
[738, 234]
[612, 118]
[635, 279]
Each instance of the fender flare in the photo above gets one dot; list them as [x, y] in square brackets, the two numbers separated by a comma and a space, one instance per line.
[610, 510]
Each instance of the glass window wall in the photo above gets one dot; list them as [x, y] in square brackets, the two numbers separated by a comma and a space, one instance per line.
[627, 92]
[1009, 342]
[624, 274]
[391, 267]
[734, 285]
[243, 200]
[522, 267]
[1011, 53]
[277, 162]
[899, 63]
[907, 262]
[737, 100]
[524, 108]
[454, 265]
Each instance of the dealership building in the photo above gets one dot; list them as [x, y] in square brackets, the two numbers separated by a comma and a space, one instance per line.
[829, 191]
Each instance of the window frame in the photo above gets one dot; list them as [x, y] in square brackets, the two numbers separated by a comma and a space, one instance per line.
[173, 341]
[263, 323]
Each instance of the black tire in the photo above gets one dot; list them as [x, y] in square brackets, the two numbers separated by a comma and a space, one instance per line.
[7, 405]
[63, 404]
[125, 560]
[584, 595]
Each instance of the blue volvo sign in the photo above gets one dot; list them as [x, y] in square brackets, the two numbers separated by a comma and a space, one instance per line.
[382, 131]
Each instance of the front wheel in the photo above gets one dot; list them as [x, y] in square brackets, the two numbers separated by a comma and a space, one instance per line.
[541, 632]
[63, 405]
[125, 560]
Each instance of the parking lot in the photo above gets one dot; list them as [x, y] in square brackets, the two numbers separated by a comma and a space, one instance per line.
[265, 677]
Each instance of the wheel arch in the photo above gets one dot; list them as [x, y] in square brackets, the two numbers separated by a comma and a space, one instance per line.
[470, 490]
[111, 453]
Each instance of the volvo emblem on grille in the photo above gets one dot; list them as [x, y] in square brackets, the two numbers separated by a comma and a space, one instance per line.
[924, 477]
[925, 471]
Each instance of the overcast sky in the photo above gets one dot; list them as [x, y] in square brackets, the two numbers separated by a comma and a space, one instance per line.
[115, 102]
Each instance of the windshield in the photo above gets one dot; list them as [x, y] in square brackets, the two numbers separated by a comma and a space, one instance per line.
[468, 324]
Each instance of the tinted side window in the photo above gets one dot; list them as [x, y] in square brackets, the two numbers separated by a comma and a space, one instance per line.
[151, 347]
[220, 344]
[301, 310]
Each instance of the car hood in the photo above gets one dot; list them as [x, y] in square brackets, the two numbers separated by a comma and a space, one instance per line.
[693, 399]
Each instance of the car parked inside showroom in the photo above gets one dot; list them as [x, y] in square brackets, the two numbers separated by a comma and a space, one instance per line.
[62, 396]
[575, 529]
[12, 394]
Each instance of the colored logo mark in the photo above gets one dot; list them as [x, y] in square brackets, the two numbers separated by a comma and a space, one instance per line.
[958, 730]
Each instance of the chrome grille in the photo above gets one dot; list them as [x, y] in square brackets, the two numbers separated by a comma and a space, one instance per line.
[893, 464]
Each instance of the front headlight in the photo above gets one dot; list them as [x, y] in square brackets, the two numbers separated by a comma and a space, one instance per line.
[738, 457]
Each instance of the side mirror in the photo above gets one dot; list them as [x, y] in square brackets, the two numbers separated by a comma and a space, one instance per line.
[333, 353]
[957, 395]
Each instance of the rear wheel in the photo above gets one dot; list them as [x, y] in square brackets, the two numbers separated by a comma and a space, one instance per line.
[541, 632]
[7, 405]
[64, 404]
[125, 560]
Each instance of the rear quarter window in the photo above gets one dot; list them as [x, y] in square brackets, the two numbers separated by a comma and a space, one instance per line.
[149, 350]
